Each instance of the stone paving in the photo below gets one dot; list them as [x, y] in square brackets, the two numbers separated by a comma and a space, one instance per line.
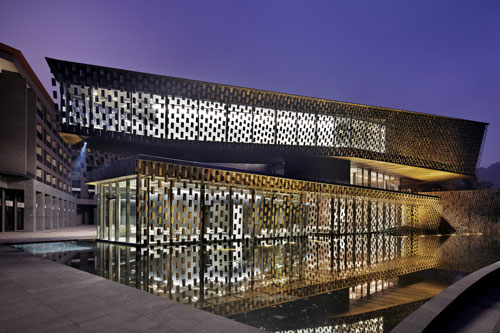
[41, 295]
[70, 233]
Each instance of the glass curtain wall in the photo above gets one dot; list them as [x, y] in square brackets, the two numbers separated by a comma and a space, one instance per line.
[369, 178]
[117, 212]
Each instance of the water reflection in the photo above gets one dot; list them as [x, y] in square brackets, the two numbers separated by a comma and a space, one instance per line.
[77, 254]
[231, 277]
[323, 313]
[252, 279]
[367, 325]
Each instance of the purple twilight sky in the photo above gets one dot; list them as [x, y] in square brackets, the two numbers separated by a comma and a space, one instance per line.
[440, 57]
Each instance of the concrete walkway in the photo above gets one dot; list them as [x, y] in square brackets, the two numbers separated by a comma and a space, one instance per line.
[41, 295]
[71, 233]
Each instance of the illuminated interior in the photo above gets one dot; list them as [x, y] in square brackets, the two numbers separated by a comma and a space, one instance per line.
[403, 171]
[180, 118]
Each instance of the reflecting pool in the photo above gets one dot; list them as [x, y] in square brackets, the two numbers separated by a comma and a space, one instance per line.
[363, 282]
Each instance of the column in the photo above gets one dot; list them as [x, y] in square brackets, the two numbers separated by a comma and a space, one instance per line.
[48, 212]
[60, 208]
[55, 212]
[15, 210]
[72, 214]
[64, 215]
[30, 221]
[127, 209]
[110, 209]
[3, 210]
[100, 212]
[40, 211]
[117, 213]
[67, 217]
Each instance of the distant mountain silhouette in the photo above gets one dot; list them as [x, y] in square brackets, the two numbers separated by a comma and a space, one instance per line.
[491, 174]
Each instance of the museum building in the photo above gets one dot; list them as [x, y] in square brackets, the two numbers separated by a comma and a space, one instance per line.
[223, 188]
[286, 141]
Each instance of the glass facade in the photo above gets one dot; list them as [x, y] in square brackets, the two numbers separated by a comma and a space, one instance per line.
[370, 178]
[370, 288]
[116, 202]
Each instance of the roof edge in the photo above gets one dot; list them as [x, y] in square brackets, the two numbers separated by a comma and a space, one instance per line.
[262, 90]
[18, 55]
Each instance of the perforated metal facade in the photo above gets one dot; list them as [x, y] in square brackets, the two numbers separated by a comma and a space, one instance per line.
[471, 211]
[125, 105]
[168, 203]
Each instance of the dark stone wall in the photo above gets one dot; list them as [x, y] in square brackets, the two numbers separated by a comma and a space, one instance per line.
[13, 123]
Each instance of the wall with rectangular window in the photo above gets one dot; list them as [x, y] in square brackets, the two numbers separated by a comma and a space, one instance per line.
[366, 177]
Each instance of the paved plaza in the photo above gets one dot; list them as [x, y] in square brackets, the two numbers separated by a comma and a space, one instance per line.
[70, 233]
[40, 295]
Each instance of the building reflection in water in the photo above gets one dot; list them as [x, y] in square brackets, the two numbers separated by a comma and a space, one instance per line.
[231, 277]
[257, 281]
[372, 325]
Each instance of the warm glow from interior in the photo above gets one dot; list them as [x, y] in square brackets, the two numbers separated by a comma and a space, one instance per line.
[405, 171]
[70, 139]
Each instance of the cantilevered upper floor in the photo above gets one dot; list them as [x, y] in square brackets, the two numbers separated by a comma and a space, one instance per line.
[184, 118]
